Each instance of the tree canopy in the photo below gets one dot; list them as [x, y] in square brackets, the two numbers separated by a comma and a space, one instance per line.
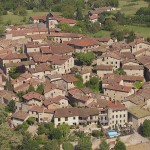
[146, 128]
[120, 146]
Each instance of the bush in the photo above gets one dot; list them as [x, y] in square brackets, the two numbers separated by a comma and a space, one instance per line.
[67, 146]
[31, 120]
[97, 133]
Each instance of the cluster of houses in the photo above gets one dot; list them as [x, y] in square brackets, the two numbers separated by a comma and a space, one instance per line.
[45, 56]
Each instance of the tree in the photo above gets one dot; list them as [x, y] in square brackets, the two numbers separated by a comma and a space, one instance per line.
[2, 31]
[79, 15]
[11, 106]
[3, 115]
[52, 145]
[20, 95]
[85, 58]
[97, 133]
[138, 84]
[110, 25]
[118, 34]
[31, 120]
[55, 134]
[30, 89]
[22, 127]
[131, 37]
[79, 82]
[120, 71]
[93, 84]
[67, 146]
[13, 73]
[40, 89]
[84, 144]
[8, 85]
[104, 145]
[120, 146]
[146, 128]
[65, 129]
[9, 139]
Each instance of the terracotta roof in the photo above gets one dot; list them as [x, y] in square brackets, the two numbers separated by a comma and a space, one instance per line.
[81, 112]
[38, 36]
[69, 78]
[133, 67]
[144, 59]
[120, 88]
[103, 39]
[33, 95]
[93, 17]
[39, 18]
[48, 87]
[21, 115]
[14, 56]
[69, 35]
[37, 109]
[65, 20]
[54, 100]
[116, 106]
[84, 42]
[104, 67]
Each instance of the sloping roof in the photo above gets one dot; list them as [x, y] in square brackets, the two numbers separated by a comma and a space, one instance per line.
[21, 115]
[69, 78]
[104, 67]
[33, 95]
[74, 111]
[138, 112]
[116, 106]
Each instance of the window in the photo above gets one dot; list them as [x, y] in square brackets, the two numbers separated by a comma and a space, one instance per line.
[120, 116]
[58, 119]
[124, 115]
[74, 118]
[116, 116]
[112, 116]
[66, 119]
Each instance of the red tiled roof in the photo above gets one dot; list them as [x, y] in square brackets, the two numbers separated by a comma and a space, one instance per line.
[104, 67]
[69, 78]
[37, 109]
[116, 106]
[20, 115]
[33, 95]
[84, 42]
[65, 20]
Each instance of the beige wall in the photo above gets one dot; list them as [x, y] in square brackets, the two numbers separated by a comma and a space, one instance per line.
[139, 47]
[35, 49]
[117, 95]
[102, 73]
[17, 122]
[134, 72]
[109, 61]
[69, 120]
[34, 102]
[86, 77]
[117, 117]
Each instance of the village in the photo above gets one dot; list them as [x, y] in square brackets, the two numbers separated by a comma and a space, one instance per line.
[46, 73]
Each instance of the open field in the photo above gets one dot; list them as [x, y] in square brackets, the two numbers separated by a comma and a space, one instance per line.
[100, 34]
[139, 30]
[129, 7]
[142, 146]
[15, 19]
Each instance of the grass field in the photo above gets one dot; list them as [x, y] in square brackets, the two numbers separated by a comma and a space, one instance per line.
[15, 19]
[129, 7]
[100, 34]
[139, 30]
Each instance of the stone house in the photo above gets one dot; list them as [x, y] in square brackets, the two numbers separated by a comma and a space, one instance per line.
[76, 116]
[84, 45]
[137, 116]
[117, 115]
[56, 103]
[118, 92]
[19, 117]
[102, 70]
[34, 99]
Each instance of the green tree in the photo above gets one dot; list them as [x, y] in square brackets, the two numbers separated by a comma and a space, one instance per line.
[97, 133]
[13, 73]
[85, 58]
[79, 82]
[40, 89]
[55, 134]
[22, 128]
[11, 106]
[65, 129]
[31, 120]
[138, 84]
[3, 115]
[20, 95]
[79, 15]
[9, 139]
[8, 85]
[110, 25]
[104, 145]
[131, 37]
[120, 146]
[30, 89]
[93, 84]
[146, 128]
[67, 146]
[120, 71]
[84, 144]
[52, 145]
